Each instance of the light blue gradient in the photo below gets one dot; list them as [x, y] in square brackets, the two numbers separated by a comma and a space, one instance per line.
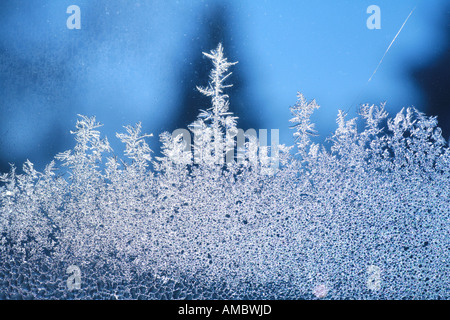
[124, 65]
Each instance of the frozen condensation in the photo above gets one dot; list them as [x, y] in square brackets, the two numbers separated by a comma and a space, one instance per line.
[368, 219]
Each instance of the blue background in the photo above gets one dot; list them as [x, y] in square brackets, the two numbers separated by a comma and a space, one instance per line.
[141, 60]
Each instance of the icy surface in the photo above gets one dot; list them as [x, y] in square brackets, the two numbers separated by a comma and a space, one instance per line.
[367, 220]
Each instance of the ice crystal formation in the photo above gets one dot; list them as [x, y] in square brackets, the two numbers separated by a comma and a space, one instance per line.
[367, 219]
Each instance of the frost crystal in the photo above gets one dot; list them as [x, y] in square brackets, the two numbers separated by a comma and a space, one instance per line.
[367, 220]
